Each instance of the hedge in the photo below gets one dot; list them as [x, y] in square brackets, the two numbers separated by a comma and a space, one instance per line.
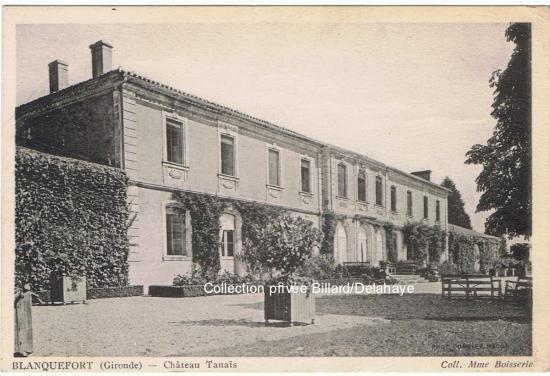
[71, 217]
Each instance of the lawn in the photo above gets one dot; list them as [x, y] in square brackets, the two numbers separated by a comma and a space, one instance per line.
[414, 325]
[346, 325]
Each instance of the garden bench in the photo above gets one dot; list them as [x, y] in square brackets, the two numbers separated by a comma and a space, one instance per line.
[470, 285]
[519, 288]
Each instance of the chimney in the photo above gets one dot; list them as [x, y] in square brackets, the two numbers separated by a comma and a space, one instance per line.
[59, 75]
[426, 174]
[101, 58]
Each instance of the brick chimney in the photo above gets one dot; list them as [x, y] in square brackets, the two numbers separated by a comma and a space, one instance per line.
[426, 174]
[102, 57]
[59, 75]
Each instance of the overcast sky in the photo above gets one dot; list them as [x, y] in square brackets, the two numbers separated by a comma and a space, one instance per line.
[414, 96]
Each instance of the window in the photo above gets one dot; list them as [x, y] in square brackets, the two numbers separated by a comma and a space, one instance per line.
[437, 211]
[227, 236]
[361, 187]
[274, 167]
[425, 206]
[227, 155]
[341, 252]
[379, 190]
[174, 141]
[306, 179]
[227, 243]
[409, 203]
[393, 198]
[176, 234]
[342, 181]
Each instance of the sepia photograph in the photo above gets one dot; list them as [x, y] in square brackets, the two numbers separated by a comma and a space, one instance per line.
[300, 182]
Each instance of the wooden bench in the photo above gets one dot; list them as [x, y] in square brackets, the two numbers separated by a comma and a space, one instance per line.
[519, 288]
[470, 286]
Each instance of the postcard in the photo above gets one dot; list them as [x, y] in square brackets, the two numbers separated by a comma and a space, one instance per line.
[275, 188]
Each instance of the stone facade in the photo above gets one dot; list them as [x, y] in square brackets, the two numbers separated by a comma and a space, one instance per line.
[124, 119]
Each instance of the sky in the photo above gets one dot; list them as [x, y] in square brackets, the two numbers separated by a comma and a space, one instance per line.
[413, 96]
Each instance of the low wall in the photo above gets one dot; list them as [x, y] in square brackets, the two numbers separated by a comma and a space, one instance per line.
[102, 293]
[198, 290]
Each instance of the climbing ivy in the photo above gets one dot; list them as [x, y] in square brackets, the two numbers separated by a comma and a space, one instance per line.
[71, 217]
[256, 218]
[328, 229]
[391, 242]
[205, 213]
[427, 242]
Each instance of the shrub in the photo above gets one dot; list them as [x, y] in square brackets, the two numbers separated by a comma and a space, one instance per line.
[357, 270]
[196, 277]
[71, 217]
[318, 267]
[520, 251]
[448, 267]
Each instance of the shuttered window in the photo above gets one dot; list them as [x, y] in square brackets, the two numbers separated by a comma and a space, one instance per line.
[437, 211]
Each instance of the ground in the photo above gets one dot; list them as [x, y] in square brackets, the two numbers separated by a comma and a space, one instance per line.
[421, 324]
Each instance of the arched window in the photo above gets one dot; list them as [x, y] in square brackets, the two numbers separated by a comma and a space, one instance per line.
[227, 235]
[341, 244]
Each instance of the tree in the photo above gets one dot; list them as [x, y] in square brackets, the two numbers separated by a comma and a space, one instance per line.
[455, 205]
[283, 245]
[505, 181]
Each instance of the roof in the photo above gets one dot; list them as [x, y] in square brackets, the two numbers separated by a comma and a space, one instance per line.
[129, 76]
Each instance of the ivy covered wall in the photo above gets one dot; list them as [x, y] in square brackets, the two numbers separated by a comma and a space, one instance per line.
[71, 217]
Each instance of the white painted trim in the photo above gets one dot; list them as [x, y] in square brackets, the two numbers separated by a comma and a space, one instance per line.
[188, 233]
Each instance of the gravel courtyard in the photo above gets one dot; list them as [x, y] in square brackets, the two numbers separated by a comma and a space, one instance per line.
[233, 325]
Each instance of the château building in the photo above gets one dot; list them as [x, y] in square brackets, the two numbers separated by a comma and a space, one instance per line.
[169, 141]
